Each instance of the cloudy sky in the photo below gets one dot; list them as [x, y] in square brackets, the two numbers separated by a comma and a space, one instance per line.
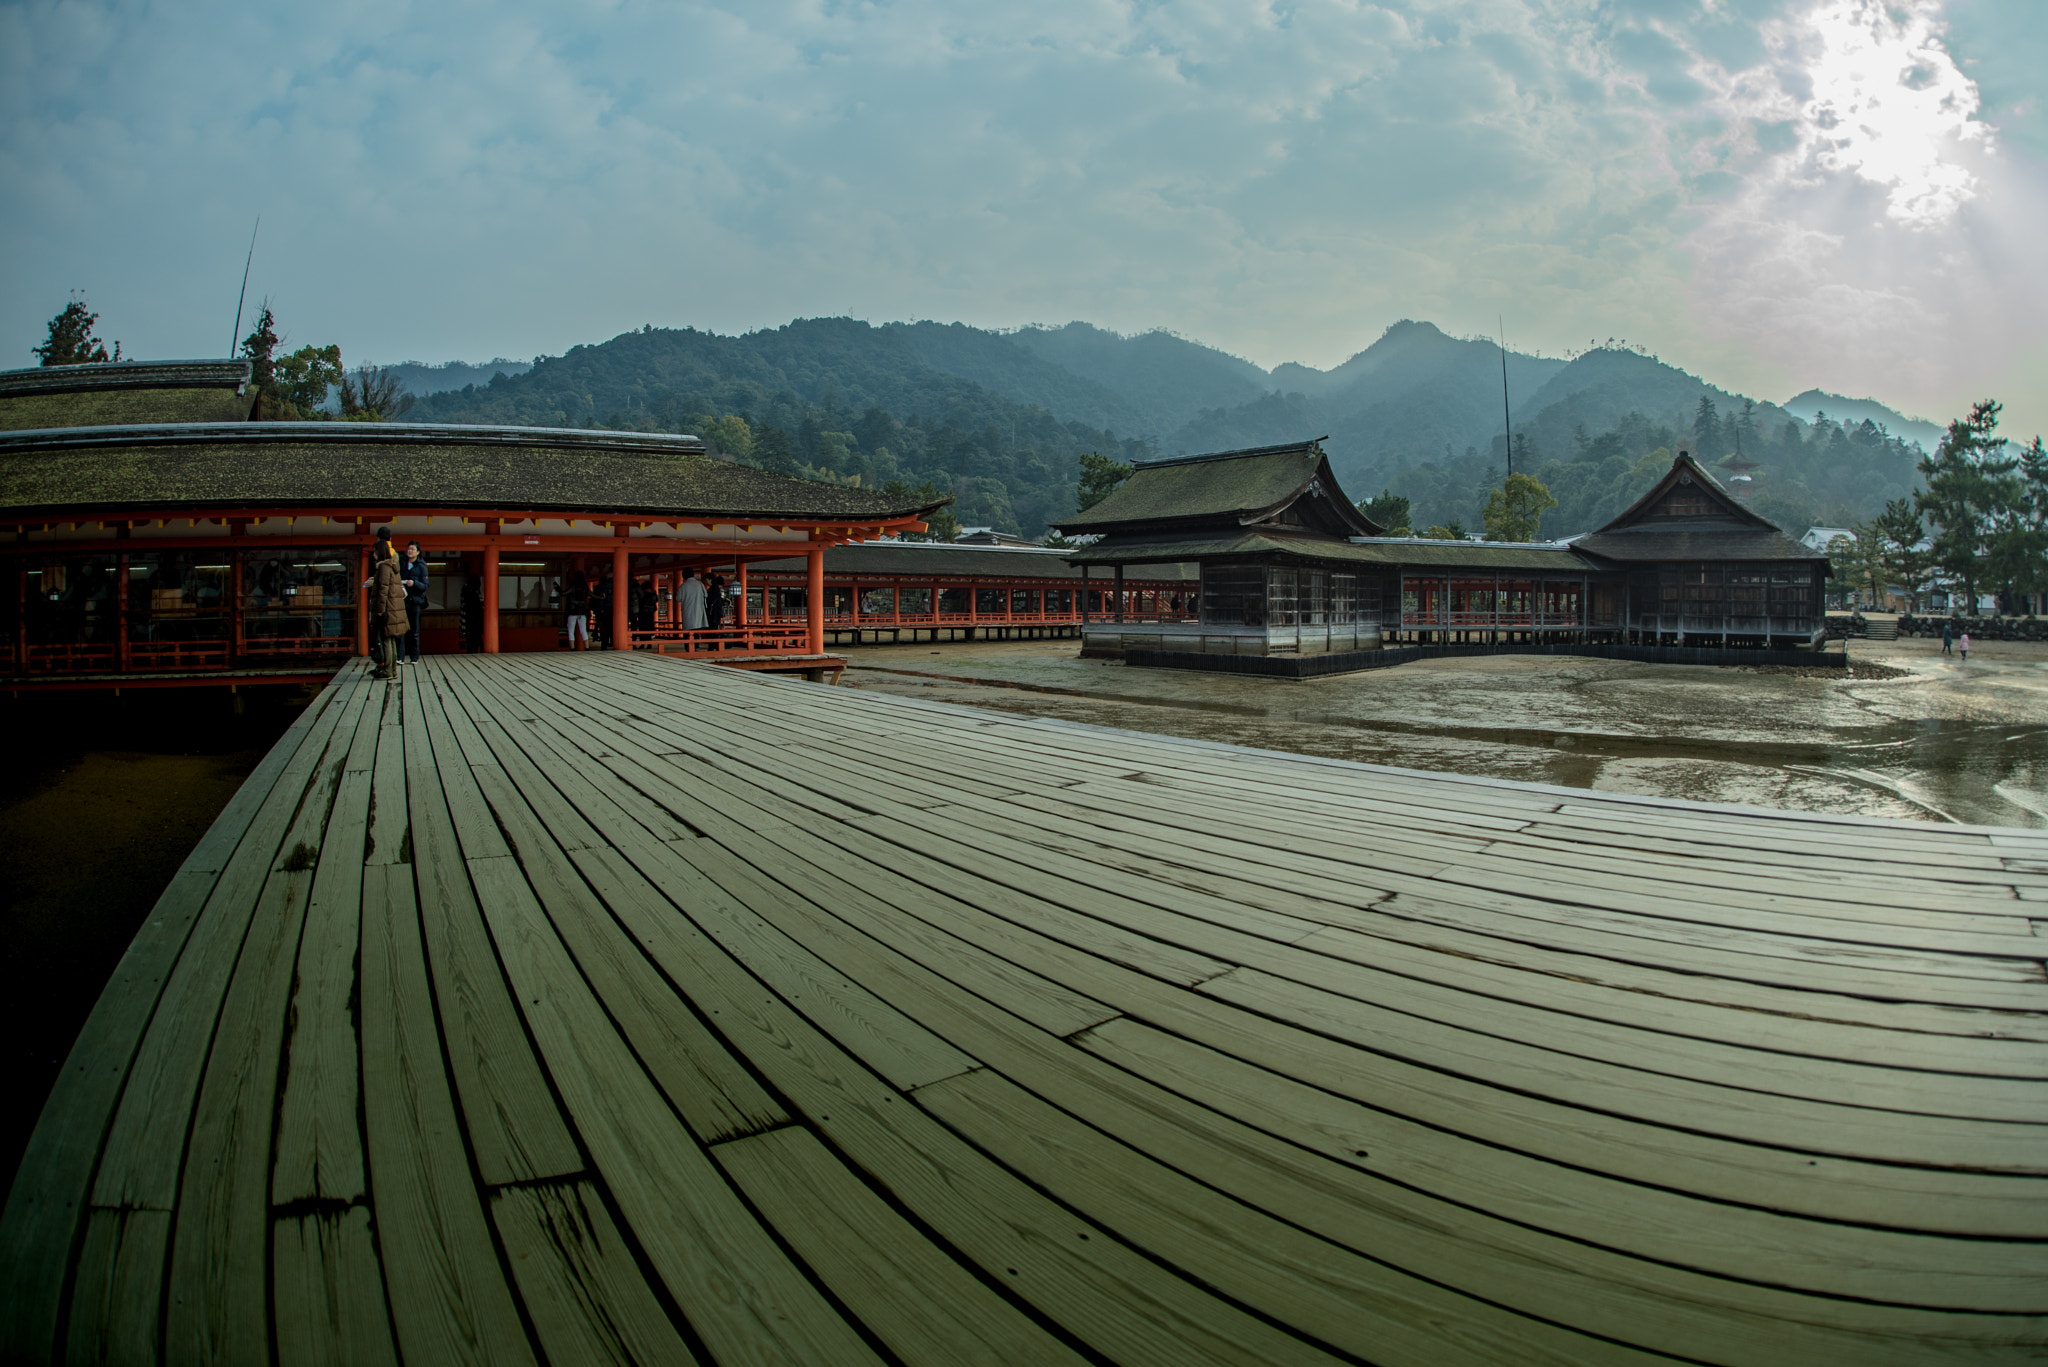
[1775, 193]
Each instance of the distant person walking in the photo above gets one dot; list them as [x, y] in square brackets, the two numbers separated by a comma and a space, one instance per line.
[692, 597]
[413, 570]
[1964, 643]
[576, 602]
[387, 604]
[1948, 640]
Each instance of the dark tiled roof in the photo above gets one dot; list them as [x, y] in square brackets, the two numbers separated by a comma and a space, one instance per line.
[913, 558]
[124, 392]
[1685, 469]
[1473, 555]
[394, 465]
[1224, 489]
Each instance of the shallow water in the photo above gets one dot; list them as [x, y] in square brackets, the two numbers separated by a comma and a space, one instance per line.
[1946, 741]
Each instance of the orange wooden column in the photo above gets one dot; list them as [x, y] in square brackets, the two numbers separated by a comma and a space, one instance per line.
[814, 599]
[622, 617]
[362, 601]
[490, 600]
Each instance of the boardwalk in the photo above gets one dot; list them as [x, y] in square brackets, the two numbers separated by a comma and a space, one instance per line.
[589, 1009]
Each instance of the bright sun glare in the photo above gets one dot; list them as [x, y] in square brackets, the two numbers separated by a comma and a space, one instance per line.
[1890, 105]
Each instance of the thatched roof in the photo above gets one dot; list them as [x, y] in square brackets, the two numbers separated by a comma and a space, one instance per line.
[1225, 490]
[1690, 515]
[122, 392]
[65, 472]
[944, 561]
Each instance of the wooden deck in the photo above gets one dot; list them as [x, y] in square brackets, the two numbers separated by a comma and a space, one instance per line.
[587, 1008]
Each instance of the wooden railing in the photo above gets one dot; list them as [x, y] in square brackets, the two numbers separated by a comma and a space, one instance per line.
[769, 639]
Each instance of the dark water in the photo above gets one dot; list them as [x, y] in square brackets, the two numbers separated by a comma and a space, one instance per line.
[101, 801]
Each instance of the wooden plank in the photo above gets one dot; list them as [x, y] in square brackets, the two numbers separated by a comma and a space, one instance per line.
[118, 1293]
[216, 1305]
[1666, 1225]
[919, 1301]
[448, 1296]
[46, 1206]
[318, 1147]
[1105, 1295]
[515, 1128]
[578, 1281]
[329, 1294]
[743, 1297]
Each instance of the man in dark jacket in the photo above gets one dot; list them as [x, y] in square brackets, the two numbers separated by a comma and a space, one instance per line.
[413, 572]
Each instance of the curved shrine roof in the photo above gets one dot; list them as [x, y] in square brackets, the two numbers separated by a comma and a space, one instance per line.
[125, 392]
[315, 465]
[1228, 488]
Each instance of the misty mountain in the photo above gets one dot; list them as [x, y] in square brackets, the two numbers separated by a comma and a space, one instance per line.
[1840, 409]
[423, 379]
[1000, 418]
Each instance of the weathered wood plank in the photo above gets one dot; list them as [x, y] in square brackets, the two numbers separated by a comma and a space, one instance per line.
[448, 1296]
[920, 1302]
[329, 1295]
[117, 1298]
[515, 1127]
[578, 1281]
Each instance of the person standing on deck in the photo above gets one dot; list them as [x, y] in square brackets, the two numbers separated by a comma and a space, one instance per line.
[692, 602]
[387, 604]
[576, 602]
[714, 602]
[413, 570]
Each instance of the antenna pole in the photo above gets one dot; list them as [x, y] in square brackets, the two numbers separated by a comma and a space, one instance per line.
[1507, 422]
[236, 340]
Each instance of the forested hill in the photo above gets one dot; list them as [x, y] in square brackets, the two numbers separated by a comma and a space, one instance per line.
[1000, 418]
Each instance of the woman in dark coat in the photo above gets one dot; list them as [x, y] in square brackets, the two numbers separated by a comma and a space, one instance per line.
[387, 603]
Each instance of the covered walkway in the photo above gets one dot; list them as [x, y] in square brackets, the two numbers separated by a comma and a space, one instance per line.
[610, 1008]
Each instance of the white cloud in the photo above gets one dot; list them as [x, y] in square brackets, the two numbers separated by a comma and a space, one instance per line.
[1282, 179]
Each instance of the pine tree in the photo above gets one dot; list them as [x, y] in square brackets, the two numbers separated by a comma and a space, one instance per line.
[71, 340]
[1970, 494]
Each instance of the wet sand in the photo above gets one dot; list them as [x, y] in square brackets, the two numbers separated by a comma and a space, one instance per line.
[1944, 741]
[103, 798]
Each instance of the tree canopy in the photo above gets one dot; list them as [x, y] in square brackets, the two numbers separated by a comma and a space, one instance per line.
[1515, 511]
[71, 340]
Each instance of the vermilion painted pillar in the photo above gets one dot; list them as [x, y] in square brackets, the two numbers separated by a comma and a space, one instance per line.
[490, 600]
[741, 606]
[814, 610]
[622, 617]
[362, 601]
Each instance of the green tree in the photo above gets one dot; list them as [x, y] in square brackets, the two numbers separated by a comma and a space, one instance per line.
[1858, 562]
[1971, 494]
[771, 451]
[1448, 531]
[1514, 511]
[731, 435]
[71, 340]
[1706, 431]
[303, 378]
[1905, 564]
[2016, 551]
[1390, 511]
[939, 524]
[1100, 477]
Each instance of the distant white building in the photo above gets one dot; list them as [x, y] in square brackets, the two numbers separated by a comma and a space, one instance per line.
[1823, 538]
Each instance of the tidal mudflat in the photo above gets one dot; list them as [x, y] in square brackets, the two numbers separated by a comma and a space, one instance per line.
[1941, 741]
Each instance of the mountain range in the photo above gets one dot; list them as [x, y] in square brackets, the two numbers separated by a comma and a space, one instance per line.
[1000, 417]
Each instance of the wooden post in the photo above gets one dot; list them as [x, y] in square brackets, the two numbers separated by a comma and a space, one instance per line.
[814, 607]
[742, 614]
[121, 609]
[1084, 595]
[622, 616]
[1119, 594]
[491, 599]
[362, 598]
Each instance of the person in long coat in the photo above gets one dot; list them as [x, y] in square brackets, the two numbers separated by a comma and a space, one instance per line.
[692, 601]
[387, 603]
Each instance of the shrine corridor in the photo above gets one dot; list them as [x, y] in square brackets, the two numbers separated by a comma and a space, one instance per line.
[595, 1008]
